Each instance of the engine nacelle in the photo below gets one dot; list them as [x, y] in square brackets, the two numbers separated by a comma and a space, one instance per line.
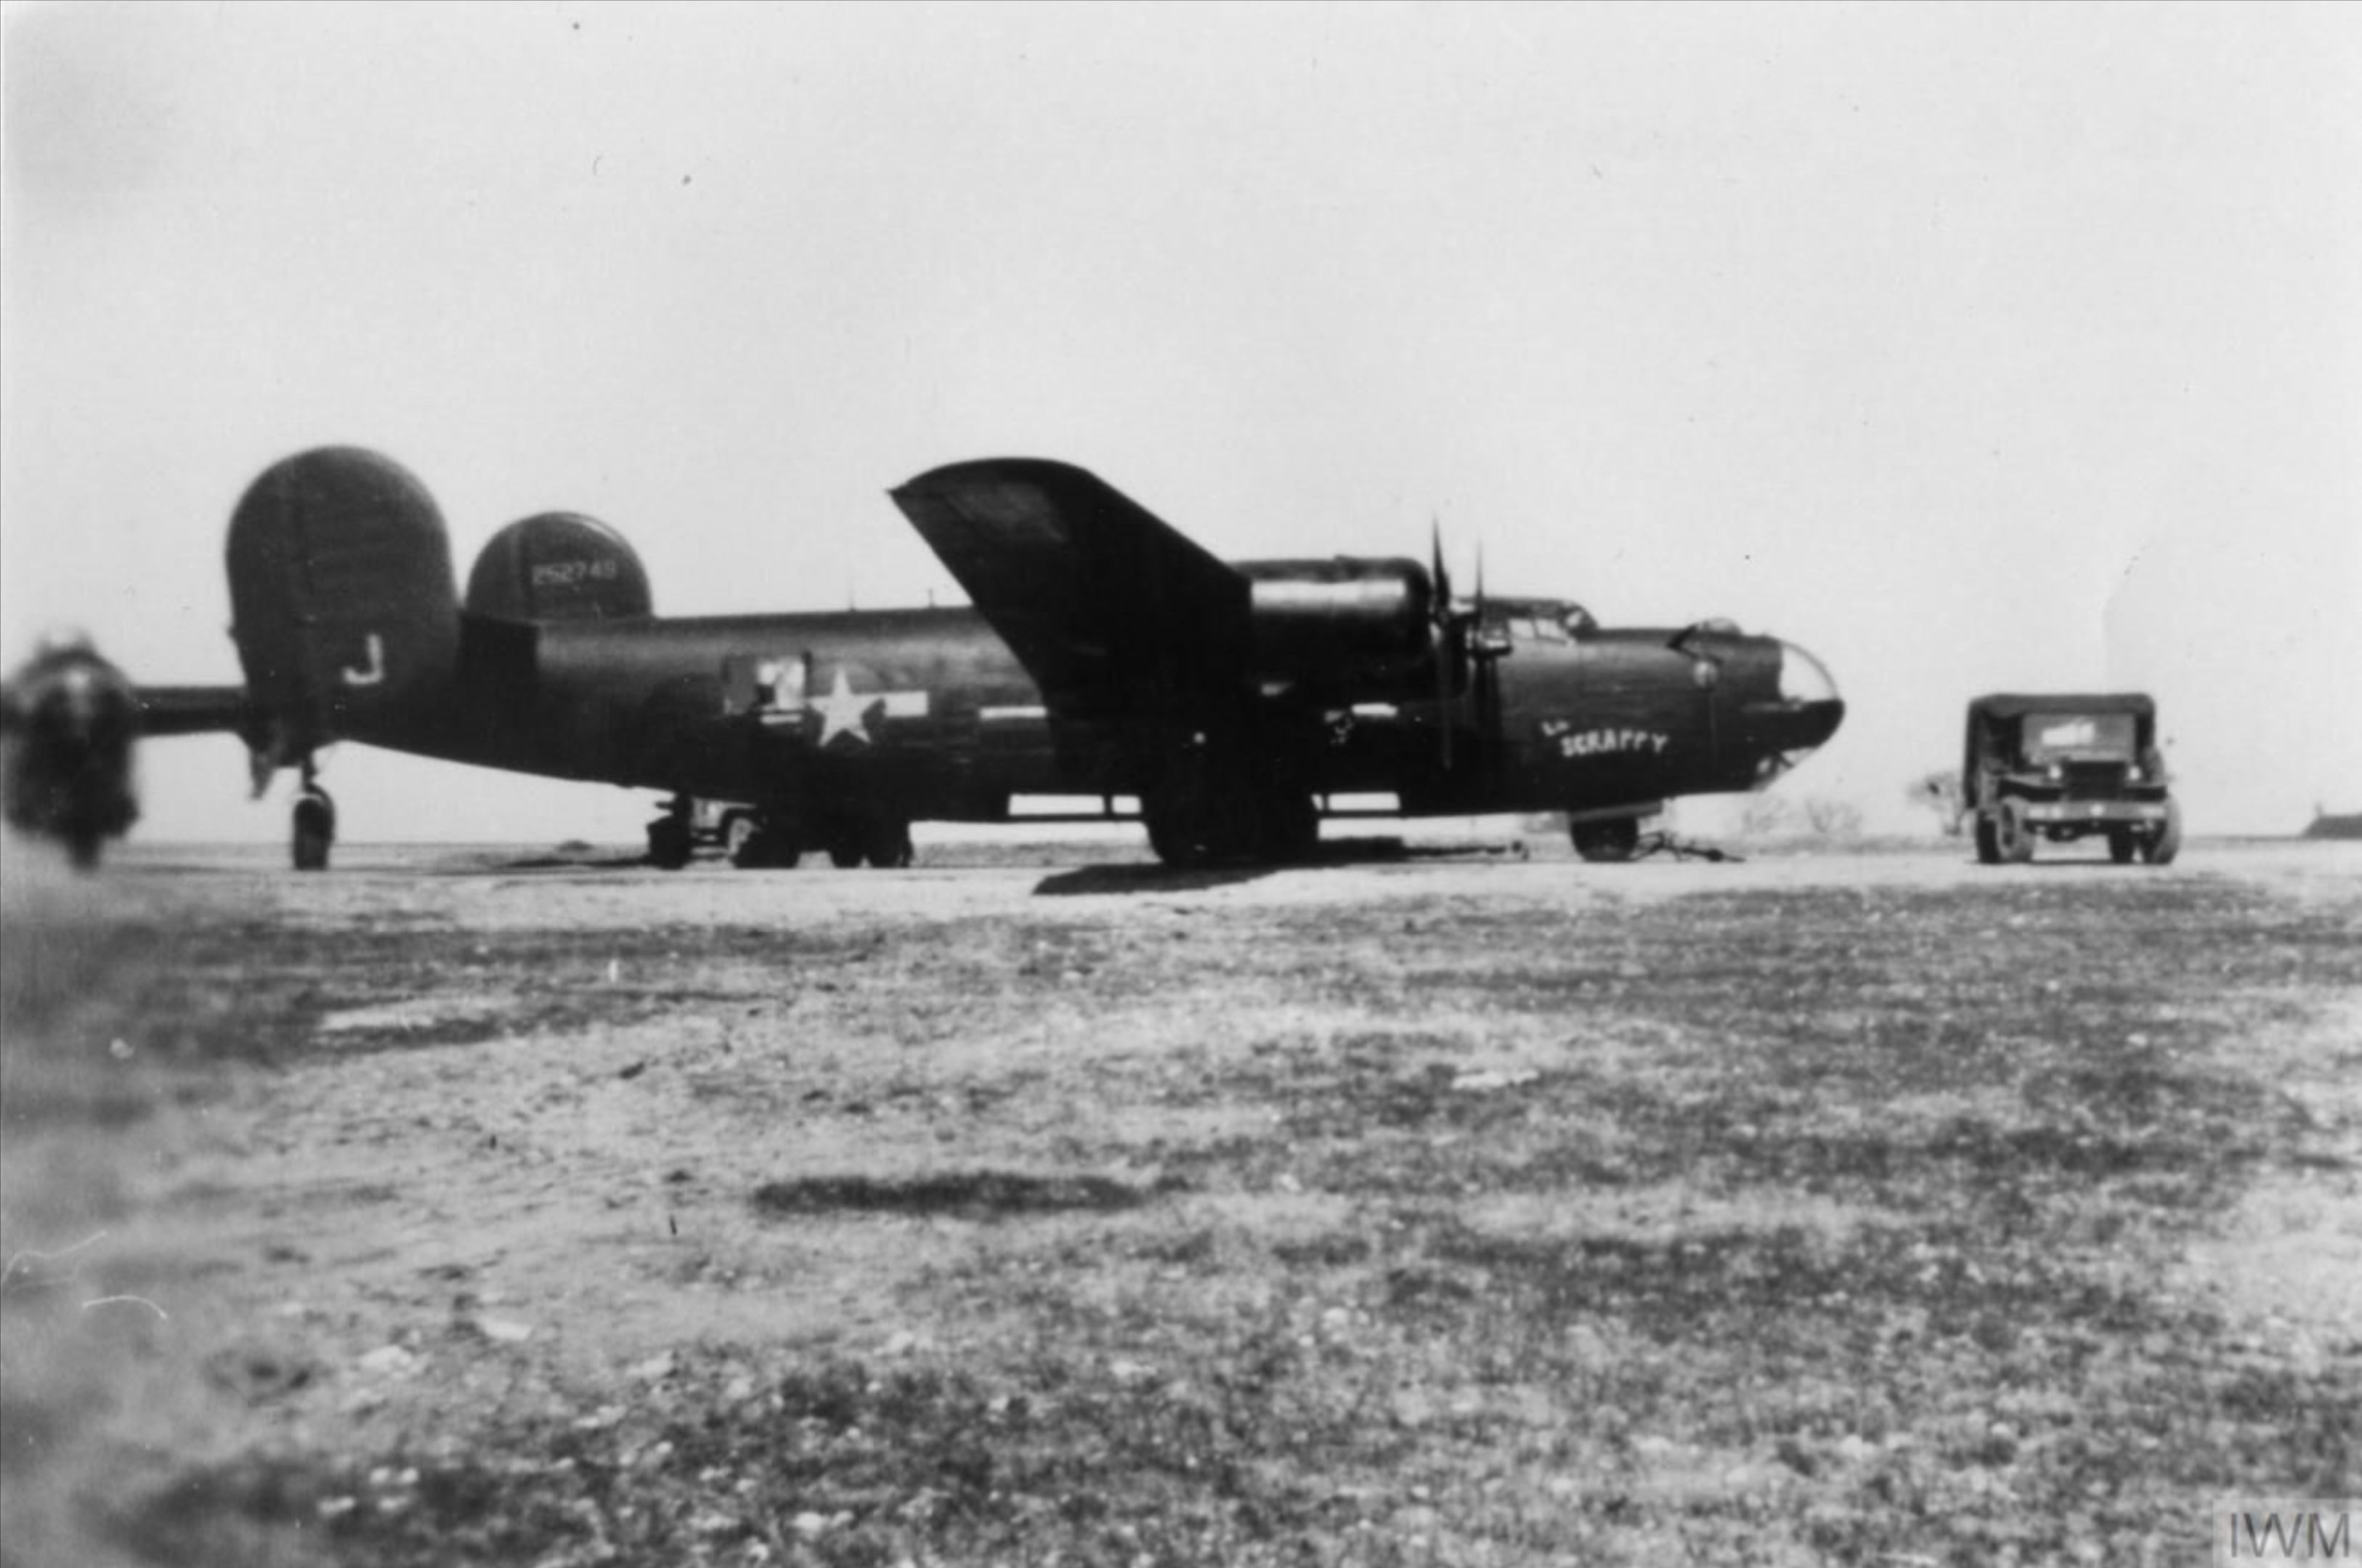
[70, 718]
[560, 565]
[1357, 620]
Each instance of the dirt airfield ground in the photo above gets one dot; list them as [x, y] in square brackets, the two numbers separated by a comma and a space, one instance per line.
[471, 1206]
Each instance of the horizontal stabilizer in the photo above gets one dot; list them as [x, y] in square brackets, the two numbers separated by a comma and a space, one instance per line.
[192, 710]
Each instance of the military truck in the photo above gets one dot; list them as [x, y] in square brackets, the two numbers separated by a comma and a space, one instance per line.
[2064, 768]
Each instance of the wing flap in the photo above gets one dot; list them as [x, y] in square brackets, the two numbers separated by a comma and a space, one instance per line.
[1114, 613]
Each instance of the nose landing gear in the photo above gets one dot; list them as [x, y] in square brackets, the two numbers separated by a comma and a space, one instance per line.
[1613, 839]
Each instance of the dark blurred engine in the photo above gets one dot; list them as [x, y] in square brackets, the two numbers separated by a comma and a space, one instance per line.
[70, 719]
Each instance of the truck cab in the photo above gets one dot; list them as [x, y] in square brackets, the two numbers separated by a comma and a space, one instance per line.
[2062, 767]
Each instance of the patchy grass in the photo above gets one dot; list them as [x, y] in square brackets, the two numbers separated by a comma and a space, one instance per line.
[980, 1194]
[1831, 1225]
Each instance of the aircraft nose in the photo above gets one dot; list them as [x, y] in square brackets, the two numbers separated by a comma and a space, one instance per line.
[1807, 713]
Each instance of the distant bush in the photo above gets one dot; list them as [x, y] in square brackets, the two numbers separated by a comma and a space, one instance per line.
[1939, 792]
[1813, 822]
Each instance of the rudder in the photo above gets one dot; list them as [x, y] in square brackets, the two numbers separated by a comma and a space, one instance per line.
[345, 602]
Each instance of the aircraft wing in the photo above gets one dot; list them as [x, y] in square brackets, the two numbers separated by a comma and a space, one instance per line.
[1112, 612]
[191, 710]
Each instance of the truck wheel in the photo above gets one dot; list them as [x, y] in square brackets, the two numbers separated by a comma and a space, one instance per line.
[669, 844]
[2122, 845]
[2014, 833]
[1988, 842]
[2165, 842]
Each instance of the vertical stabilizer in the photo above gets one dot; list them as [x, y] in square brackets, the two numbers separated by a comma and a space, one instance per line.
[346, 606]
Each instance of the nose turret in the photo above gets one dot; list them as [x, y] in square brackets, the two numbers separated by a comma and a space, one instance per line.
[1806, 715]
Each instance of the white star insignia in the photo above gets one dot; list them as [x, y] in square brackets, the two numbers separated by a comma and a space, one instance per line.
[841, 712]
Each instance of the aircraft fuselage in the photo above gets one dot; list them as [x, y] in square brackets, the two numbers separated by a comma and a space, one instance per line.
[927, 713]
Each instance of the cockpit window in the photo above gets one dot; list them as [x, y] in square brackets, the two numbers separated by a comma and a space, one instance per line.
[1578, 622]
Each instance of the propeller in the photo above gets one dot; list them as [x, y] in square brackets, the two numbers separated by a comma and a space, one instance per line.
[1447, 643]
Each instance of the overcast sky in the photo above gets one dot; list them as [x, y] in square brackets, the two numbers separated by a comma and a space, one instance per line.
[1973, 347]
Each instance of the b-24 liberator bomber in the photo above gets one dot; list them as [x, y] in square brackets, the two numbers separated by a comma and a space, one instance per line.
[1106, 657]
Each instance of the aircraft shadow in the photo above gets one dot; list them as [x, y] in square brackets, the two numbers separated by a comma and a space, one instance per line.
[1088, 880]
[966, 1195]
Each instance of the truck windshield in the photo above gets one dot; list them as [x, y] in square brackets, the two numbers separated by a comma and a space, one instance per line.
[2064, 738]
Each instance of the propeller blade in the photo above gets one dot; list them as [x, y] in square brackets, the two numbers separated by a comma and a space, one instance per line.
[1447, 642]
[1443, 573]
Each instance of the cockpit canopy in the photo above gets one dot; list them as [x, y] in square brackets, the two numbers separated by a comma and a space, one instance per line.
[1538, 619]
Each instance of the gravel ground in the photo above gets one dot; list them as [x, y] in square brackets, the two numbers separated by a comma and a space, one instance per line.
[1442, 1203]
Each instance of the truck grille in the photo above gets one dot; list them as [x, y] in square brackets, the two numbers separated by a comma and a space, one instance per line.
[2094, 780]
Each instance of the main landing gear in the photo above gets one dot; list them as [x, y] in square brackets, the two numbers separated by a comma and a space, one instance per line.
[314, 825]
[1204, 813]
[881, 843]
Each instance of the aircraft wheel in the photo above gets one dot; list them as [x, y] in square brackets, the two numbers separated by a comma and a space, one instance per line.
[1613, 840]
[669, 846]
[1290, 828]
[2122, 845]
[1988, 842]
[1174, 846]
[314, 830]
[2014, 834]
[1217, 827]
[84, 846]
[888, 844]
[2165, 842]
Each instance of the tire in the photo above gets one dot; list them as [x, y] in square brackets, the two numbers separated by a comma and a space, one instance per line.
[1988, 842]
[2122, 845]
[1290, 827]
[84, 847]
[886, 845]
[1606, 843]
[2014, 833]
[314, 831]
[2165, 842]
[1174, 844]
[669, 846]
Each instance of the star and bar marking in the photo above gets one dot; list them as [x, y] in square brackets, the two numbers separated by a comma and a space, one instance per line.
[844, 711]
